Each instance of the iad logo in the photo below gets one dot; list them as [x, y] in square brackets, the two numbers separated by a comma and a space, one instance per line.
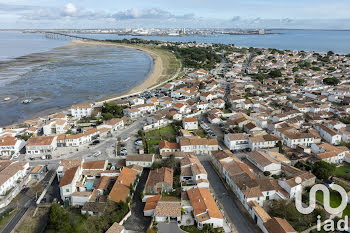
[329, 224]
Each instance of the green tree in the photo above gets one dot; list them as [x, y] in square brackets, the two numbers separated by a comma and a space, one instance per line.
[300, 81]
[295, 69]
[275, 73]
[323, 170]
[331, 81]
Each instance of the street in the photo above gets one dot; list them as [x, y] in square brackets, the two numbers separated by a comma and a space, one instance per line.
[241, 220]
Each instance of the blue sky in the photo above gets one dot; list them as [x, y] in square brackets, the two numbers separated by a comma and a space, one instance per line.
[314, 14]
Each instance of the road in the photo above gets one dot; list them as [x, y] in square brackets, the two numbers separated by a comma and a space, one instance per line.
[137, 221]
[240, 218]
[12, 224]
[218, 132]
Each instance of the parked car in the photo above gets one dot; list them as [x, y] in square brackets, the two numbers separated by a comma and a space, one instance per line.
[97, 153]
[95, 142]
[138, 141]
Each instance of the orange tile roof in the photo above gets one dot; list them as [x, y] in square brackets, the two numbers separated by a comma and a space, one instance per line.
[95, 165]
[203, 202]
[39, 141]
[121, 187]
[151, 203]
[68, 176]
[170, 145]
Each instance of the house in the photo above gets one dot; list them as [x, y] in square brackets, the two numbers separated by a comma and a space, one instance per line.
[81, 110]
[65, 165]
[258, 214]
[67, 183]
[193, 173]
[251, 128]
[67, 140]
[57, 126]
[292, 138]
[290, 186]
[11, 175]
[214, 119]
[165, 147]
[121, 188]
[133, 113]
[144, 160]
[151, 204]
[264, 162]
[263, 142]
[41, 145]
[11, 146]
[329, 135]
[159, 180]
[38, 172]
[190, 123]
[329, 153]
[167, 211]
[217, 156]
[115, 124]
[204, 208]
[198, 145]
[136, 101]
[237, 141]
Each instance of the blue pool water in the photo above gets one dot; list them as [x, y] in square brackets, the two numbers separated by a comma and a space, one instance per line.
[88, 185]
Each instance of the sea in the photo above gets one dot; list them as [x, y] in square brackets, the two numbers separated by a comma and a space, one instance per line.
[57, 73]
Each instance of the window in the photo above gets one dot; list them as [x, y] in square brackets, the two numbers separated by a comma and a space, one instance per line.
[67, 190]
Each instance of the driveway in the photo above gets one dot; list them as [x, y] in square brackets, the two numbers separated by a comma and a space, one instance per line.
[169, 228]
[138, 222]
[237, 214]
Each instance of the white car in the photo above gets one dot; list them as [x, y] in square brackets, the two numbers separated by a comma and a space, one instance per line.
[97, 153]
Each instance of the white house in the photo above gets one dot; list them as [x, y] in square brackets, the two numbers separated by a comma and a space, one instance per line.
[41, 145]
[204, 208]
[11, 173]
[11, 145]
[263, 142]
[264, 162]
[237, 141]
[198, 145]
[68, 183]
[143, 160]
[81, 110]
[329, 135]
[190, 123]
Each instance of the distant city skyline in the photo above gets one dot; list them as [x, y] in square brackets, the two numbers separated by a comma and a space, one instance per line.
[309, 14]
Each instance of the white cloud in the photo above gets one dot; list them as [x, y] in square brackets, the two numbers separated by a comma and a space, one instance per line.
[70, 8]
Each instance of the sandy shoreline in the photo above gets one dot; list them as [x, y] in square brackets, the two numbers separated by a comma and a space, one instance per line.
[154, 78]
[150, 81]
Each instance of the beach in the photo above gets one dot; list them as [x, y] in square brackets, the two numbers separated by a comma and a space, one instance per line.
[154, 78]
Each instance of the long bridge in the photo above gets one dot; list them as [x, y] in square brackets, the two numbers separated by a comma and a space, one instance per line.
[63, 36]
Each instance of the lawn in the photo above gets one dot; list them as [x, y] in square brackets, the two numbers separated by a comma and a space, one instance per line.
[335, 200]
[155, 136]
[199, 132]
[343, 171]
[151, 143]
[167, 132]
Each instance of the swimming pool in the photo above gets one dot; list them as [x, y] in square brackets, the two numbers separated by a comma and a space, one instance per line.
[88, 185]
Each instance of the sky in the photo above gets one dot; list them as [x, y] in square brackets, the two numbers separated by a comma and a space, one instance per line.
[83, 14]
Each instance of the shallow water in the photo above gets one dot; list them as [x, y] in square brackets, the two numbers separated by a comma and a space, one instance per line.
[67, 75]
